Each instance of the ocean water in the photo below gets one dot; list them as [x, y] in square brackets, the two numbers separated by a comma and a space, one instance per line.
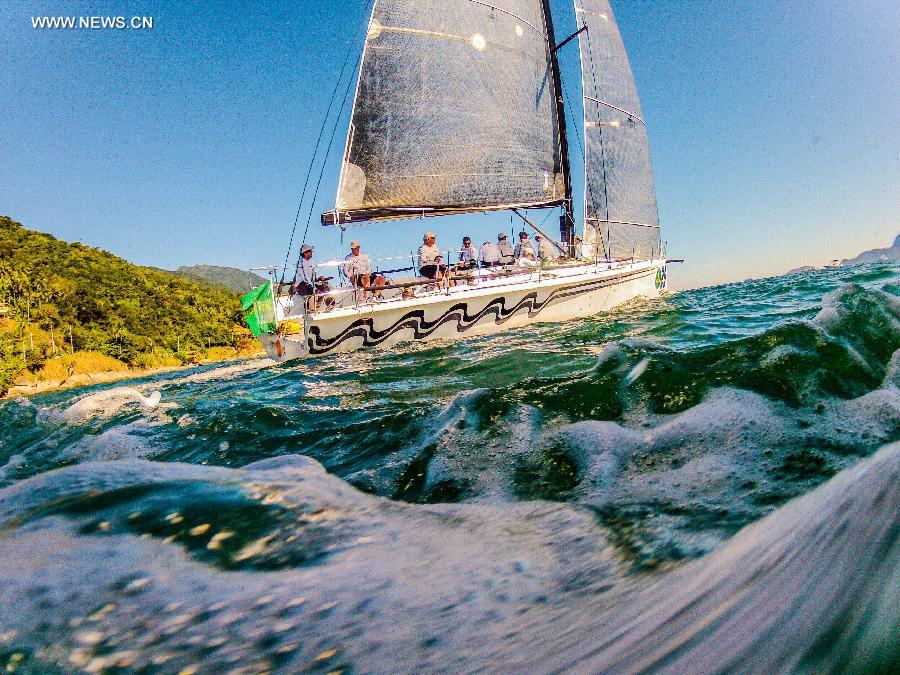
[703, 482]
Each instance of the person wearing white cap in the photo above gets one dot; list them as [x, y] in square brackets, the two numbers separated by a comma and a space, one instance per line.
[430, 261]
[507, 257]
[304, 278]
[525, 248]
[358, 270]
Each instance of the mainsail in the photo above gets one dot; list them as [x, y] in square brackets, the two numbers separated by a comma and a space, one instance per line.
[455, 111]
[621, 218]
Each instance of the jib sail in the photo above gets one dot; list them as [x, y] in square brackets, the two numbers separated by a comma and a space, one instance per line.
[621, 218]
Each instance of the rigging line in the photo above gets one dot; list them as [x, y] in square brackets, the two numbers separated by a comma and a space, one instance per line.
[312, 160]
[587, 190]
[574, 119]
[337, 123]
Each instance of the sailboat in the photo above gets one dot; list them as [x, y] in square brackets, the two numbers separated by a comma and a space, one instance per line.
[459, 108]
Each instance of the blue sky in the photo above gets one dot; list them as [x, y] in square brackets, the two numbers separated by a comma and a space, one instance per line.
[774, 129]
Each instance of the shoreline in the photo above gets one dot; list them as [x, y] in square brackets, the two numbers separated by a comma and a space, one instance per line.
[89, 379]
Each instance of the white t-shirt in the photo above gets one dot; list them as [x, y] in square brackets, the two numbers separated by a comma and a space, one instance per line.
[304, 271]
[427, 254]
[489, 252]
[357, 265]
[585, 251]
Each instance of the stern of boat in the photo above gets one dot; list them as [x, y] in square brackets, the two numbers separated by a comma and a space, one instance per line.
[281, 347]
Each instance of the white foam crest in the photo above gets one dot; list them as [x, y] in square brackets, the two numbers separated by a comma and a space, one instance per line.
[636, 372]
[122, 442]
[107, 403]
[228, 372]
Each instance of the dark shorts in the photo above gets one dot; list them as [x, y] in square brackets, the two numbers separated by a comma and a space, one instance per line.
[430, 271]
[303, 288]
[359, 279]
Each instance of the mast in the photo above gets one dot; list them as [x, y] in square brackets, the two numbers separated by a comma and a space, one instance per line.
[566, 229]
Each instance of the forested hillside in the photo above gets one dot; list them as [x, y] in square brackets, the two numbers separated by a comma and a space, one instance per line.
[68, 308]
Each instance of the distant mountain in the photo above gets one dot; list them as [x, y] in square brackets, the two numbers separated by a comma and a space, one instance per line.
[892, 253]
[231, 278]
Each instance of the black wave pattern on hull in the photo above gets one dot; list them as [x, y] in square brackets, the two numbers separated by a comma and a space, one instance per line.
[422, 327]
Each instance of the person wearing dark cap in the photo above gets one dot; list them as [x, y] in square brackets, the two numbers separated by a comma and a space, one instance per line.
[507, 257]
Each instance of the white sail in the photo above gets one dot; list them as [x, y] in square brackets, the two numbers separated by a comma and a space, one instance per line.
[621, 218]
[455, 111]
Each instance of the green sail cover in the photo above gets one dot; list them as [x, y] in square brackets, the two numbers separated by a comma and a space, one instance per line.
[259, 310]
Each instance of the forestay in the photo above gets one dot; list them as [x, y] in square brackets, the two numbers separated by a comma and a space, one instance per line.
[455, 111]
[621, 218]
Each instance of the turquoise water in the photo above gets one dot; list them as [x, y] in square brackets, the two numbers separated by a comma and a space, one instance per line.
[463, 497]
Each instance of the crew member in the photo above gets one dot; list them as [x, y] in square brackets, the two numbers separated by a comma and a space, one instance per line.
[579, 249]
[430, 262]
[490, 254]
[546, 250]
[524, 244]
[358, 270]
[507, 257]
[468, 254]
[304, 278]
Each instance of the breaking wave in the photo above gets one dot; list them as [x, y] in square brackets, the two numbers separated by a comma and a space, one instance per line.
[704, 481]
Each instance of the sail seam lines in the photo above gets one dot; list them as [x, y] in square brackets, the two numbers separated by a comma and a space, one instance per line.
[622, 222]
[445, 175]
[590, 11]
[508, 13]
[614, 107]
[428, 33]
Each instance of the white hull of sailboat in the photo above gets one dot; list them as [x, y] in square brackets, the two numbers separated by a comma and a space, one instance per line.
[491, 306]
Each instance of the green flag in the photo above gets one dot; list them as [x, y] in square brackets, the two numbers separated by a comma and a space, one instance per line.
[259, 310]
